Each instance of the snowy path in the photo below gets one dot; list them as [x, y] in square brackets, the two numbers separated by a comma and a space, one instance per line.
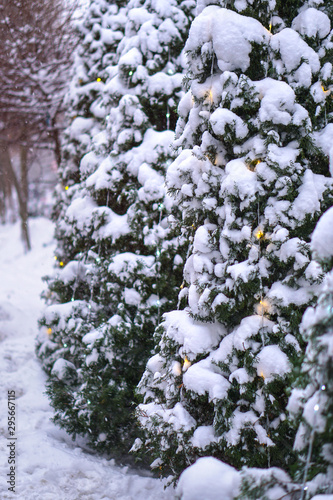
[49, 465]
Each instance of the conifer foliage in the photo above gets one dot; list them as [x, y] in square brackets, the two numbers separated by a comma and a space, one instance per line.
[251, 182]
[122, 262]
[312, 401]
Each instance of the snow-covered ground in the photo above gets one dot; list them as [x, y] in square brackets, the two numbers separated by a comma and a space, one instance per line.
[49, 466]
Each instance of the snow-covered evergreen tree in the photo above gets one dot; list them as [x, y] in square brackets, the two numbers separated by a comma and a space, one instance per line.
[100, 31]
[251, 181]
[313, 400]
[125, 263]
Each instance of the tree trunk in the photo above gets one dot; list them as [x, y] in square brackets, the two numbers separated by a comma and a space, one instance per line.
[22, 199]
[57, 146]
[5, 186]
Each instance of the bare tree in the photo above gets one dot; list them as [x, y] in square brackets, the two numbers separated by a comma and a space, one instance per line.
[37, 41]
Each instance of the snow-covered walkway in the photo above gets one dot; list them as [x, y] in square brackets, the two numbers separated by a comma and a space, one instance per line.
[49, 466]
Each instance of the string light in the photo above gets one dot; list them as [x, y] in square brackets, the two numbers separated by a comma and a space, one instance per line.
[66, 188]
[98, 79]
[61, 264]
[130, 73]
[65, 345]
[323, 387]
[316, 407]
[263, 307]
[259, 234]
[262, 375]
[182, 286]
[160, 206]
[49, 331]
[158, 253]
[186, 364]
[253, 164]
[55, 257]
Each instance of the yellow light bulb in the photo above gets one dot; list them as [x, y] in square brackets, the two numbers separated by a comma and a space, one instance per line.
[262, 375]
[98, 79]
[253, 164]
[326, 91]
[186, 364]
[259, 234]
[66, 188]
[55, 257]
[49, 331]
[263, 307]
[270, 26]
[61, 264]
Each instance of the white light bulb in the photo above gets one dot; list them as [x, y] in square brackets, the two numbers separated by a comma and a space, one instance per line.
[316, 407]
[323, 387]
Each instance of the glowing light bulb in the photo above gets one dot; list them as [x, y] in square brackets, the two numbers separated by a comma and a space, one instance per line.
[253, 164]
[98, 79]
[49, 331]
[186, 364]
[263, 307]
[323, 387]
[158, 253]
[66, 188]
[270, 26]
[211, 96]
[259, 234]
[262, 375]
[65, 345]
[55, 257]
[130, 73]
[316, 407]
[72, 299]
[61, 264]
